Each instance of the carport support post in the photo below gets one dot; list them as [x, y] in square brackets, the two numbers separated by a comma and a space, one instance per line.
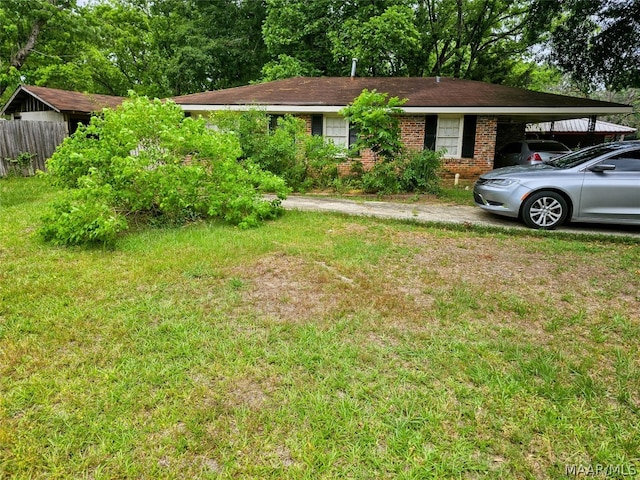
[592, 129]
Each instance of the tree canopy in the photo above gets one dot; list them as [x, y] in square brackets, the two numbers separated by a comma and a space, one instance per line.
[597, 42]
[171, 47]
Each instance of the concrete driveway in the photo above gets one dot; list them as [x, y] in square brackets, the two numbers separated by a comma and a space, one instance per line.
[437, 213]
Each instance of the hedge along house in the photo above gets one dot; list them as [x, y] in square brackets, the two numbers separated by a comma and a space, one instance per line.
[43, 104]
[467, 119]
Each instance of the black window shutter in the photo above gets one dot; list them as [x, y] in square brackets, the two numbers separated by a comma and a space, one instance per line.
[353, 134]
[316, 125]
[430, 127]
[273, 121]
[469, 136]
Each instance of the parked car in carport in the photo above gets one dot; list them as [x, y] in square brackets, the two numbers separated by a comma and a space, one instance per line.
[529, 152]
[599, 184]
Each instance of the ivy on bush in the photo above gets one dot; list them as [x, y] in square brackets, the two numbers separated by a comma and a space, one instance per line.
[145, 162]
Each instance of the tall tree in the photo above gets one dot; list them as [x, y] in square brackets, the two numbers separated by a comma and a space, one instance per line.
[303, 29]
[597, 42]
[26, 28]
[475, 39]
[384, 44]
[209, 45]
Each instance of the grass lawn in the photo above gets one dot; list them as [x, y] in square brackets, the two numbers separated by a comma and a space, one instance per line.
[317, 346]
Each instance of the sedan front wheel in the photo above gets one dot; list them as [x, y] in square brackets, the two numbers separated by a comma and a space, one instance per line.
[544, 210]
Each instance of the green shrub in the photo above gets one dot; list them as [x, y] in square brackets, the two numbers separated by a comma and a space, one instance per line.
[302, 160]
[83, 216]
[376, 119]
[420, 171]
[145, 161]
[383, 178]
[412, 171]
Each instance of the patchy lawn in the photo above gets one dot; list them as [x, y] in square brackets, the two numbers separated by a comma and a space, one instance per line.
[317, 346]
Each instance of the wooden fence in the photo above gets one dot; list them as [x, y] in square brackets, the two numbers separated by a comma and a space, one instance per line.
[21, 138]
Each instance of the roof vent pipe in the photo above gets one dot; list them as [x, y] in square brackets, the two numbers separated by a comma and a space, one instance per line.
[437, 79]
[354, 62]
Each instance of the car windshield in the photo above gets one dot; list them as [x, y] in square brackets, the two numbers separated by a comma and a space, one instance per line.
[574, 159]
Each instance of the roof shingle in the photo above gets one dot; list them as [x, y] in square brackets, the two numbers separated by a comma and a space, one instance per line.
[420, 92]
[66, 101]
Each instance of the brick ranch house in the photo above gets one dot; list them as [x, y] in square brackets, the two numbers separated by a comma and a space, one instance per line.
[469, 119]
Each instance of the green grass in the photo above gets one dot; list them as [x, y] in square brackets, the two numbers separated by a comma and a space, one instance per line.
[317, 346]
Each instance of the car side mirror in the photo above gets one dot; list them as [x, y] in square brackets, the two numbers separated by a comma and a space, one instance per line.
[602, 167]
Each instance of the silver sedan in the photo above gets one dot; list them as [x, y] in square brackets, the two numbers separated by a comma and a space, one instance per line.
[598, 184]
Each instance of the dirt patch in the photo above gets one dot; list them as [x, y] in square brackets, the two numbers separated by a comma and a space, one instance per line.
[290, 289]
[426, 278]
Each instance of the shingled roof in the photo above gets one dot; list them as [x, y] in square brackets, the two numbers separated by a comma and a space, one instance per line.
[62, 100]
[423, 94]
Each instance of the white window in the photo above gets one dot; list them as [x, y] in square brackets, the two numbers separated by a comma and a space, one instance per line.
[337, 130]
[449, 136]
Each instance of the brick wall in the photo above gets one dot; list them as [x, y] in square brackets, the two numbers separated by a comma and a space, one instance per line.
[412, 133]
[484, 151]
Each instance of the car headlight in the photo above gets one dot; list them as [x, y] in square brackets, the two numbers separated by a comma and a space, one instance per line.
[499, 182]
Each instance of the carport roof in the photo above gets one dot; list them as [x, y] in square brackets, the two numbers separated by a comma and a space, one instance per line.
[425, 95]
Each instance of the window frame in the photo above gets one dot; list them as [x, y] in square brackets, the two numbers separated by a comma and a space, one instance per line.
[346, 130]
[459, 137]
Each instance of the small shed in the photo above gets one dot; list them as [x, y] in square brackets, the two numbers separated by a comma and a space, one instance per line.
[45, 104]
[579, 132]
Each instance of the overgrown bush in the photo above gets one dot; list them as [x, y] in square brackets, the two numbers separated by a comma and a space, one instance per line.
[420, 171]
[411, 172]
[284, 149]
[383, 178]
[397, 169]
[145, 162]
[375, 117]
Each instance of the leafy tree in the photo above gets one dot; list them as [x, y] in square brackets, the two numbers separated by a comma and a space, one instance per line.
[287, 67]
[473, 39]
[597, 42]
[120, 52]
[28, 30]
[384, 44]
[153, 47]
[209, 45]
[145, 162]
[375, 117]
[303, 29]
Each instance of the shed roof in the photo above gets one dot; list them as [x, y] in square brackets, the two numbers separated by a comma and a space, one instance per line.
[423, 94]
[62, 100]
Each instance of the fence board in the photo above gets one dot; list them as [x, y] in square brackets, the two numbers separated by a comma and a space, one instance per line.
[37, 138]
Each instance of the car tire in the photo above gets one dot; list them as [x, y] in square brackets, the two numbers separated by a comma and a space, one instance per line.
[545, 210]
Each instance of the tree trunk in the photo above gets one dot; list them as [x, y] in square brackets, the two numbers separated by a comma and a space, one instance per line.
[17, 60]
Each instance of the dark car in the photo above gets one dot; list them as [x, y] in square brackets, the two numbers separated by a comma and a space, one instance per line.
[598, 184]
[529, 152]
